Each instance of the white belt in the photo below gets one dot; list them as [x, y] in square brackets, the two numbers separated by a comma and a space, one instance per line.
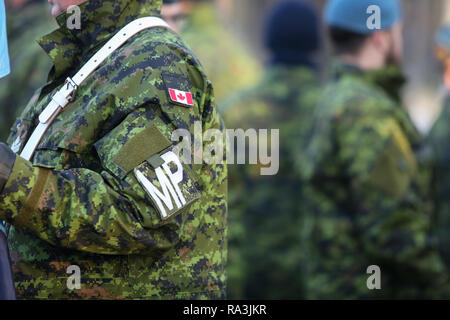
[62, 98]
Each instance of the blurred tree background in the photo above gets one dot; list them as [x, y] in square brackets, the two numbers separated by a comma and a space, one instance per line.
[424, 91]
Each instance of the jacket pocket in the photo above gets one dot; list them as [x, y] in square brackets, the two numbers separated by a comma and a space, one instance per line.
[146, 164]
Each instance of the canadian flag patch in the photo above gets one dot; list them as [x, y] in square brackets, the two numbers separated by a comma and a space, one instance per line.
[181, 97]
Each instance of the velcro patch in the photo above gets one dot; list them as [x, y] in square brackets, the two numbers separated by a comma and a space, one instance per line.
[143, 145]
[396, 165]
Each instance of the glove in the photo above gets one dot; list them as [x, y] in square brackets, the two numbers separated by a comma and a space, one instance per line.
[7, 159]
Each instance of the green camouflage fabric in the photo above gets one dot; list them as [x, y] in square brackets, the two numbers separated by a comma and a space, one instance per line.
[370, 196]
[437, 143]
[266, 244]
[227, 63]
[29, 64]
[79, 201]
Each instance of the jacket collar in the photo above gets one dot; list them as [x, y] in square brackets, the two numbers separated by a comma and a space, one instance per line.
[389, 79]
[100, 20]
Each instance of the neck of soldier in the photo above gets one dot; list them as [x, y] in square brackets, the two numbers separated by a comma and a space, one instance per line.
[366, 59]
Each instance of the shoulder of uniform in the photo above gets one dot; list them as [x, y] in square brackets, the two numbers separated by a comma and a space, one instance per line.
[161, 41]
[155, 49]
[352, 98]
[396, 163]
[155, 58]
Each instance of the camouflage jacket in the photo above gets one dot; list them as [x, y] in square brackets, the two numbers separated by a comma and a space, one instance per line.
[266, 250]
[79, 202]
[370, 201]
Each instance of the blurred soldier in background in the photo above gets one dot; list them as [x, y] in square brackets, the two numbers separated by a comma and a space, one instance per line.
[26, 20]
[371, 235]
[439, 143]
[227, 64]
[266, 253]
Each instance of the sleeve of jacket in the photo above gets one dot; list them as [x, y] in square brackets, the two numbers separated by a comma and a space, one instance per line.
[84, 210]
[106, 212]
[393, 218]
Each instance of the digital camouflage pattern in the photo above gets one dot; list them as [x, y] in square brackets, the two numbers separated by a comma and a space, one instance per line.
[266, 241]
[227, 63]
[29, 64]
[79, 202]
[370, 199]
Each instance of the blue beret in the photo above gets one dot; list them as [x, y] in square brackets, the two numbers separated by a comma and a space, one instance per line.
[353, 15]
[292, 25]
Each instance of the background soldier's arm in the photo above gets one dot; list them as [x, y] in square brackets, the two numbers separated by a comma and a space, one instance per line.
[392, 217]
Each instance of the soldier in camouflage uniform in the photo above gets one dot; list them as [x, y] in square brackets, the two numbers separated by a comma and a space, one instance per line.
[227, 63]
[371, 206]
[266, 250]
[79, 202]
[26, 21]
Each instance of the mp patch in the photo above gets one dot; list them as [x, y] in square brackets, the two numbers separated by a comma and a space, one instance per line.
[171, 185]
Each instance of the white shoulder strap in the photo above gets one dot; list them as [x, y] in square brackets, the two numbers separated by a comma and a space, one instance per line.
[62, 98]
